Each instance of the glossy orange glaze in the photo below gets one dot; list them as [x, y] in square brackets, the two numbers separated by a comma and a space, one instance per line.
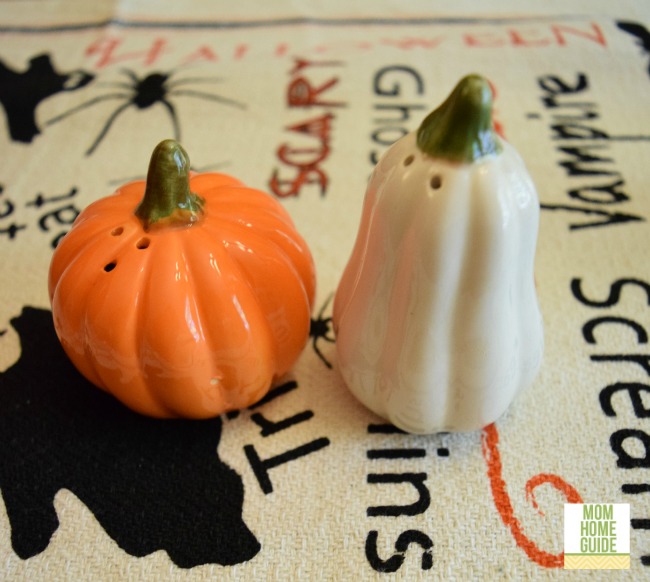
[184, 321]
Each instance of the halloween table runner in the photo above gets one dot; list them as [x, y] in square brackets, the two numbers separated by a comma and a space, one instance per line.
[301, 101]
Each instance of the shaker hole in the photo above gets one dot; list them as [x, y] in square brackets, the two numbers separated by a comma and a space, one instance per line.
[143, 243]
[110, 266]
[436, 182]
[117, 231]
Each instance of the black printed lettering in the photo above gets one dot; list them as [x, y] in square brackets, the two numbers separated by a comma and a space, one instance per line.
[394, 118]
[576, 131]
[585, 154]
[611, 193]
[403, 112]
[396, 453]
[554, 85]
[625, 460]
[404, 540]
[614, 292]
[610, 217]
[642, 360]
[272, 394]
[582, 158]
[387, 136]
[261, 467]
[415, 479]
[12, 230]
[384, 429]
[40, 199]
[270, 427]
[391, 81]
[8, 206]
[61, 216]
[590, 326]
[633, 389]
[635, 488]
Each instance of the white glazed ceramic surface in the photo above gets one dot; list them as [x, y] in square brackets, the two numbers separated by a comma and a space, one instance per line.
[438, 325]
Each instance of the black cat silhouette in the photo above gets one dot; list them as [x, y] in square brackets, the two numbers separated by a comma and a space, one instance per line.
[21, 92]
[151, 484]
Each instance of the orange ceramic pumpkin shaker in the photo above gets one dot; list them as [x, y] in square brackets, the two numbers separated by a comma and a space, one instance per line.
[185, 295]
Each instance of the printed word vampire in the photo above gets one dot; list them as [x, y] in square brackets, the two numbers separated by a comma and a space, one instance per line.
[597, 188]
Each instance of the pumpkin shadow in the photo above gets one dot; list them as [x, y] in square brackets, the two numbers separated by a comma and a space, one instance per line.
[152, 484]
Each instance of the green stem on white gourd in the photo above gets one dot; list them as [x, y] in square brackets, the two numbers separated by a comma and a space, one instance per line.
[461, 129]
[167, 197]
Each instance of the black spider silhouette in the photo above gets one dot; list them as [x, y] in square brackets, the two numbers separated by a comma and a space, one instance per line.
[144, 92]
[320, 328]
[640, 32]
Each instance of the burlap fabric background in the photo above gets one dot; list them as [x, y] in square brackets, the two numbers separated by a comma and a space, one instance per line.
[309, 485]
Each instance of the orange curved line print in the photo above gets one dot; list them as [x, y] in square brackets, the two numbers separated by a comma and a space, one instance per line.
[492, 456]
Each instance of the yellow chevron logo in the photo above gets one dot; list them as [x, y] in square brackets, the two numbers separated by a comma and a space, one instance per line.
[582, 562]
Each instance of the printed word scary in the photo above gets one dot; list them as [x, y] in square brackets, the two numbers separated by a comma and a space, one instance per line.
[303, 157]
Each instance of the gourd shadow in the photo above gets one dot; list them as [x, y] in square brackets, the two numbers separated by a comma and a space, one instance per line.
[152, 484]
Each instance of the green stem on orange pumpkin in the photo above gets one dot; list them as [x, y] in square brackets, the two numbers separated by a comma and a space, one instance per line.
[461, 129]
[167, 197]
